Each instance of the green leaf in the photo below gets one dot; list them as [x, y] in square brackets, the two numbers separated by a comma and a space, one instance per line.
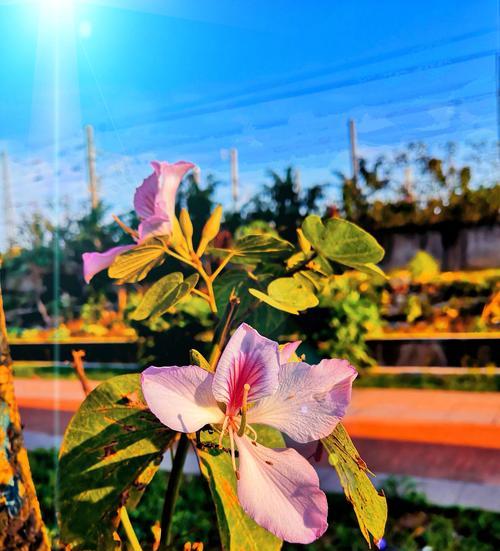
[290, 294]
[164, 289]
[370, 507]
[134, 265]
[368, 268]
[342, 241]
[310, 279]
[225, 283]
[238, 532]
[198, 359]
[266, 320]
[183, 290]
[111, 449]
[252, 249]
[164, 294]
[321, 265]
[317, 263]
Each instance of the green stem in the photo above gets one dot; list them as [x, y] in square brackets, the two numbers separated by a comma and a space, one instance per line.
[129, 530]
[179, 459]
[222, 331]
[178, 257]
[174, 483]
[221, 266]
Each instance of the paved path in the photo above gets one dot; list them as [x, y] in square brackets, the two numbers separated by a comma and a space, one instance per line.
[425, 416]
[423, 433]
[430, 416]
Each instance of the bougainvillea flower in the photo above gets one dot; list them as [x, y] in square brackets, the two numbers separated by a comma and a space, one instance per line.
[278, 488]
[154, 203]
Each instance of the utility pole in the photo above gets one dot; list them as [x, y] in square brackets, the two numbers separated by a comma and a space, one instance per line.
[298, 181]
[497, 74]
[408, 184]
[354, 157]
[197, 175]
[92, 174]
[7, 201]
[234, 176]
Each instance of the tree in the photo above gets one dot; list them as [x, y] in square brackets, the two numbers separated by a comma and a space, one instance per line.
[21, 525]
[281, 203]
[357, 191]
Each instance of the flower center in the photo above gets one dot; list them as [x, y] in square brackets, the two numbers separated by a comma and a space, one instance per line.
[244, 405]
[237, 424]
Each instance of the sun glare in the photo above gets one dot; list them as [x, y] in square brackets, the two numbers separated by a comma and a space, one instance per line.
[56, 12]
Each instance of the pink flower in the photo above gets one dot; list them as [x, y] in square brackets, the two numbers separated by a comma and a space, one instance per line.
[278, 488]
[154, 203]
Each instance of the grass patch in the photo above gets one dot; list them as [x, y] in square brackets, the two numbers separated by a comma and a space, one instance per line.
[413, 523]
[27, 371]
[469, 382]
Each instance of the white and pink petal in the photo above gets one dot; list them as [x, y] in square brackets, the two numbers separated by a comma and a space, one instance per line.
[94, 263]
[310, 399]
[146, 195]
[248, 358]
[154, 226]
[155, 197]
[279, 490]
[169, 176]
[181, 397]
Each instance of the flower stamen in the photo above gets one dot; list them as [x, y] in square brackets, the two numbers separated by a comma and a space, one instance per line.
[253, 431]
[223, 430]
[244, 406]
[233, 454]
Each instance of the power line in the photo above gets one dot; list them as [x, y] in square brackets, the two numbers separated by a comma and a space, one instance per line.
[235, 103]
[308, 75]
[352, 64]
[401, 112]
[126, 172]
[411, 110]
[457, 101]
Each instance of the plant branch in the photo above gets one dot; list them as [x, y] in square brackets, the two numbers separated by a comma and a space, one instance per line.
[174, 483]
[197, 265]
[211, 295]
[129, 531]
[224, 326]
[208, 282]
[179, 257]
[221, 266]
[79, 368]
[125, 228]
[201, 294]
[179, 459]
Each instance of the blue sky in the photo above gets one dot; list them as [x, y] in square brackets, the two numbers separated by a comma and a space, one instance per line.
[277, 79]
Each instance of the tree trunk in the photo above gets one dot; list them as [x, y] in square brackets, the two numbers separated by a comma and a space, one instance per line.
[21, 525]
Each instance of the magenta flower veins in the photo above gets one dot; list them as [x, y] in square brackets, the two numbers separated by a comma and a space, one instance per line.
[255, 384]
[154, 203]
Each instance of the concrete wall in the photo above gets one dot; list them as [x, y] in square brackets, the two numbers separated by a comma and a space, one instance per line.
[475, 248]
